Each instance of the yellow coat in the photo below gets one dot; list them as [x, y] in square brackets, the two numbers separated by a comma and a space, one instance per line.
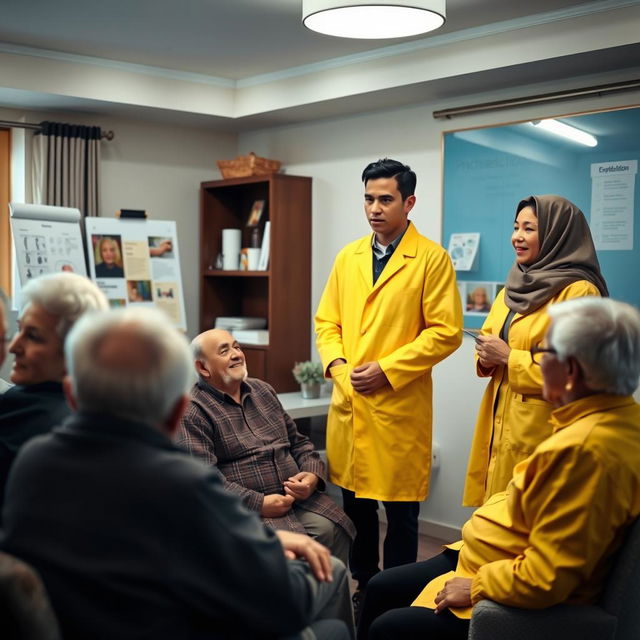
[379, 445]
[550, 536]
[513, 417]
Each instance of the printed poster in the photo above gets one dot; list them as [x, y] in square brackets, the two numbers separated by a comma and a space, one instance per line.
[136, 262]
[612, 204]
[46, 239]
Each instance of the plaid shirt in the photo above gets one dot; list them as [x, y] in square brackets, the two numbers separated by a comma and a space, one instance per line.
[256, 446]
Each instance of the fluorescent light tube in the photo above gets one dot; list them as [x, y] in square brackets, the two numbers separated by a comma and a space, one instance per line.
[566, 131]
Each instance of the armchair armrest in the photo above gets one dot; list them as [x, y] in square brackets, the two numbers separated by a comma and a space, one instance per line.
[491, 620]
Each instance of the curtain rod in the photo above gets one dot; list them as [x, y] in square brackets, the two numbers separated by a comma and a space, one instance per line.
[106, 135]
[599, 90]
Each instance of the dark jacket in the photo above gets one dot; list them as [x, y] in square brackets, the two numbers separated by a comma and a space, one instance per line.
[136, 539]
[25, 412]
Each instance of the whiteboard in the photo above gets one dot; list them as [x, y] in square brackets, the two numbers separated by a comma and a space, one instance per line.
[137, 263]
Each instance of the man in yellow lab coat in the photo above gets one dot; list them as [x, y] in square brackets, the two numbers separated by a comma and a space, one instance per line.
[389, 312]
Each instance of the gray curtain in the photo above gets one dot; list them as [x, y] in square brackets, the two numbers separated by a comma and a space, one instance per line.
[66, 166]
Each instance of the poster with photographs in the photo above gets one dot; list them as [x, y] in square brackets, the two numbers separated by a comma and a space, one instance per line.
[136, 262]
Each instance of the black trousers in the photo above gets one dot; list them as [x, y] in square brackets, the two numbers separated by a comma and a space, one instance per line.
[400, 543]
[386, 614]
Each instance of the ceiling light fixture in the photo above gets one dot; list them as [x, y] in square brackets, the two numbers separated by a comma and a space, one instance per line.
[566, 131]
[373, 19]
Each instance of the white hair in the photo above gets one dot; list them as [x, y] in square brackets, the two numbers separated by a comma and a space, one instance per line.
[603, 335]
[196, 347]
[145, 393]
[66, 295]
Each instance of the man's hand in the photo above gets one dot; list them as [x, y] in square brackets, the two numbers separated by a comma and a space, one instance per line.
[455, 593]
[274, 505]
[492, 351]
[301, 486]
[367, 378]
[300, 545]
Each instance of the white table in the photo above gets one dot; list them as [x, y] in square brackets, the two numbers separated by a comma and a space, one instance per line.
[298, 407]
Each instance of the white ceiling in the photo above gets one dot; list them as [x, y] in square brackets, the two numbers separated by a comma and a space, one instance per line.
[243, 43]
[231, 39]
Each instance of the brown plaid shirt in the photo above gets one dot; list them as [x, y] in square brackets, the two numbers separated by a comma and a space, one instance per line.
[256, 446]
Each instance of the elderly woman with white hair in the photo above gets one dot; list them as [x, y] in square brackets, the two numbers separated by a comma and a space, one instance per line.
[551, 535]
[51, 305]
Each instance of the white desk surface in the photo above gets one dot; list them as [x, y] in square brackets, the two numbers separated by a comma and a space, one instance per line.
[298, 407]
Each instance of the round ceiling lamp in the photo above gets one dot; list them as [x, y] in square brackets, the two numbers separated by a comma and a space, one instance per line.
[373, 19]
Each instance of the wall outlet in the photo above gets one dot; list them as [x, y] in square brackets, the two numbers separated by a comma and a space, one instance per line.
[435, 456]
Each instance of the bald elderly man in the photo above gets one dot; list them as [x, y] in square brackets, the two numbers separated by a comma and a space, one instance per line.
[237, 424]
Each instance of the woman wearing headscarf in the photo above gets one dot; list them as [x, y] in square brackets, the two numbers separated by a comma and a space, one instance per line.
[555, 261]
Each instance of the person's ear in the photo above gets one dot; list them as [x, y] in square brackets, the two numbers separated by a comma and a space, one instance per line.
[201, 368]
[173, 419]
[574, 372]
[67, 387]
[409, 203]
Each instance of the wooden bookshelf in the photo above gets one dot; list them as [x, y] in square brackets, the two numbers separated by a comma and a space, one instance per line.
[282, 293]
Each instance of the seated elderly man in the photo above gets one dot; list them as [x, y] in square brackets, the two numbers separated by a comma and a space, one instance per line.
[238, 424]
[134, 538]
[50, 306]
[551, 535]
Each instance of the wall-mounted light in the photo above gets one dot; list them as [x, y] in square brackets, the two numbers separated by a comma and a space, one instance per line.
[566, 131]
[373, 19]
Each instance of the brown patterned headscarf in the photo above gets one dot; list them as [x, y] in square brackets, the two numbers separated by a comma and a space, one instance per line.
[567, 254]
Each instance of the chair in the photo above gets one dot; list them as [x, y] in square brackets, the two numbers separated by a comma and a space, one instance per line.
[25, 611]
[615, 617]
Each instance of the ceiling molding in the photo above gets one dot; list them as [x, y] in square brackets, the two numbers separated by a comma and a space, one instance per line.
[129, 67]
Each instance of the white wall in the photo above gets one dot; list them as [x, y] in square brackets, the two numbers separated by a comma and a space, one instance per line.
[157, 168]
[334, 154]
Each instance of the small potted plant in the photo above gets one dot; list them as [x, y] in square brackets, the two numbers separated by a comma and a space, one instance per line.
[310, 375]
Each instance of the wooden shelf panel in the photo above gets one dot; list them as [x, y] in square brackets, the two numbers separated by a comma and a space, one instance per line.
[219, 273]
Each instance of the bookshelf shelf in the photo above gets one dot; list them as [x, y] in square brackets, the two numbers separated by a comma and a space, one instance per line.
[282, 293]
[219, 273]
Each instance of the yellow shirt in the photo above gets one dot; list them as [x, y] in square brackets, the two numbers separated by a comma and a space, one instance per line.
[513, 418]
[550, 537]
[379, 445]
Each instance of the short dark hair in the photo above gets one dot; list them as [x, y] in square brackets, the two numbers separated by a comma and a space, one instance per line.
[388, 168]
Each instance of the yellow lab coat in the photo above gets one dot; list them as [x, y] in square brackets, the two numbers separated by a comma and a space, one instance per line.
[379, 445]
[513, 418]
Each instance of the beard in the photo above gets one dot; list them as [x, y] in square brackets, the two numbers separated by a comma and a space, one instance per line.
[239, 373]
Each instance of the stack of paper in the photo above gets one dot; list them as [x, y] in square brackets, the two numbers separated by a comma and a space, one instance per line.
[240, 322]
[251, 336]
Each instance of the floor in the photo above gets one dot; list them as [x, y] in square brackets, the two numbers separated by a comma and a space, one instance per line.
[427, 548]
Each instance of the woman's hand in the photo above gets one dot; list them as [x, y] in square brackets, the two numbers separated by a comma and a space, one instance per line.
[455, 593]
[492, 351]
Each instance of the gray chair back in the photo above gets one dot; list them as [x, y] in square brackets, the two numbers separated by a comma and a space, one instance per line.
[621, 597]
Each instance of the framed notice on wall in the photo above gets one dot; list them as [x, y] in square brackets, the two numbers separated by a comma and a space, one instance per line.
[136, 262]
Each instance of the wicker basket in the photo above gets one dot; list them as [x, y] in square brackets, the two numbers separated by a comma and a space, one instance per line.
[250, 165]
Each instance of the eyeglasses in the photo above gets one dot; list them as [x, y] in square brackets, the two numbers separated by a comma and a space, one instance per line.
[537, 353]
